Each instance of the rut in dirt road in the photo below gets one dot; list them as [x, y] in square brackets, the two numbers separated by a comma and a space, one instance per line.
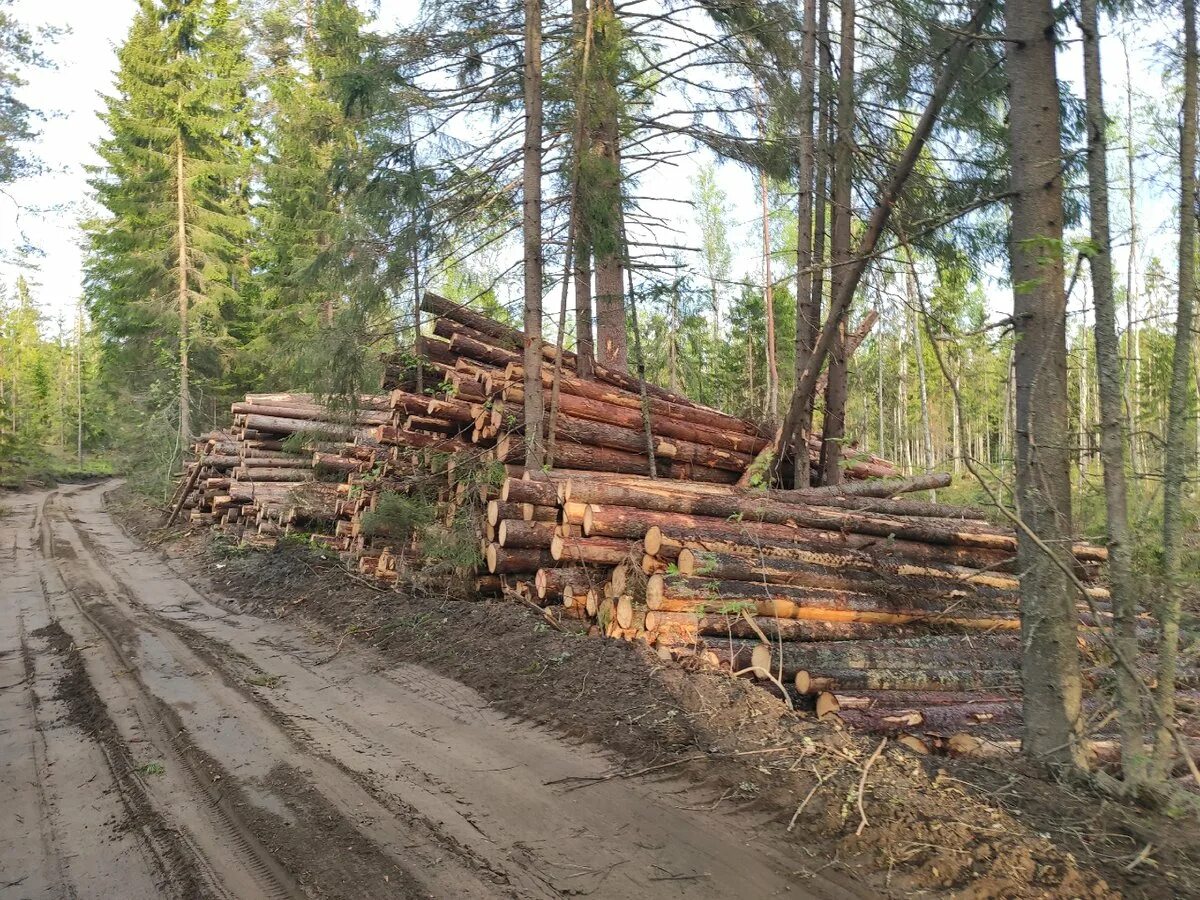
[156, 743]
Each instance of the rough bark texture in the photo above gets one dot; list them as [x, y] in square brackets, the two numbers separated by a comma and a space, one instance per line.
[612, 349]
[532, 230]
[807, 323]
[1050, 662]
[1111, 382]
[837, 385]
[1177, 453]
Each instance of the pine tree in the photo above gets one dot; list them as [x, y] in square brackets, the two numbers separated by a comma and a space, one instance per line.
[161, 266]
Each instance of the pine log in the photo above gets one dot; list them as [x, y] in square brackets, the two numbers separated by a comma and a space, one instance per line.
[606, 393]
[531, 512]
[551, 583]
[660, 426]
[691, 627]
[497, 511]
[277, 461]
[759, 539]
[519, 533]
[504, 561]
[313, 412]
[943, 720]
[282, 425]
[701, 595]
[595, 551]
[538, 492]
[745, 510]
[272, 474]
[849, 570]
[934, 677]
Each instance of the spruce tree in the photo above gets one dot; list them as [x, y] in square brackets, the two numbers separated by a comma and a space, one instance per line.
[161, 265]
[310, 132]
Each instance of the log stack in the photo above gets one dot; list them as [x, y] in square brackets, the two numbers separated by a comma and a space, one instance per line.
[898, 614]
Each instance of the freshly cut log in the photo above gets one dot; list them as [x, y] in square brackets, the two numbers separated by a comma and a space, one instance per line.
[241, 473]
[698, 596]
[596, 551]
[244, 491]
[943, 720]
[486, 353]
[849, 570]
[537, 492]
[571, 454]
[505, 561]
[456, 411]
[661, 426]
[498, 511]
[934, 678]
[605, 393]
[554, 582]
[745, 511]
[314, 412]
[410, 404]
[364, 401]
[281, 425]
[874, 487]
[497, 331]
[747, 539]
[393, 436]
[690, 628]
[519, 533]
[533, 513]
[277, 461]
[428, 423]
[332, 462]
[587, 432]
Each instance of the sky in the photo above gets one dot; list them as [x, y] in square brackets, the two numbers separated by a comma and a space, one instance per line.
[46, 210]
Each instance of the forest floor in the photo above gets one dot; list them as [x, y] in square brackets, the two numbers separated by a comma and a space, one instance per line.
[180, 719]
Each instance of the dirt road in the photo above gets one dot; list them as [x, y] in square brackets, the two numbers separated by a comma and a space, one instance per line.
[153, 742]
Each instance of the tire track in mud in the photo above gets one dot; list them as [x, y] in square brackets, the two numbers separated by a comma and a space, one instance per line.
[315, 827]
[169, 736]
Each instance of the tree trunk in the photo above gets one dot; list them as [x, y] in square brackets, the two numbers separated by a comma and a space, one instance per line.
[837, 386]
[806, 323]
[1050, 663]
[910, 281]
[1178, 458]
[877, 221]
[532, 230]
[1131, 286]
[823, 90]
[582, 270]
[181, 238]
[1110, 385]
[610, 283]
[768, 287]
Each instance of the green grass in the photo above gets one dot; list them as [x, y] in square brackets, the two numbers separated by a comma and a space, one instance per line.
[49, 466]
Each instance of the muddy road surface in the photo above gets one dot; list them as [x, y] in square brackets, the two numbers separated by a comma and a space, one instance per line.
[156, 743]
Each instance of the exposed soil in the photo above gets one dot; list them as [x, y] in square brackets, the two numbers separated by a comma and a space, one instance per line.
[933, 826]
[156, 741]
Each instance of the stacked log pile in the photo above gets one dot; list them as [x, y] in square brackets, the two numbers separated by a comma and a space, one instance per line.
[898, 614]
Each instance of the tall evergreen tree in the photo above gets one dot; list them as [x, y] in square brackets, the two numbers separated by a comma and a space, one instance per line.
[160, 267]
